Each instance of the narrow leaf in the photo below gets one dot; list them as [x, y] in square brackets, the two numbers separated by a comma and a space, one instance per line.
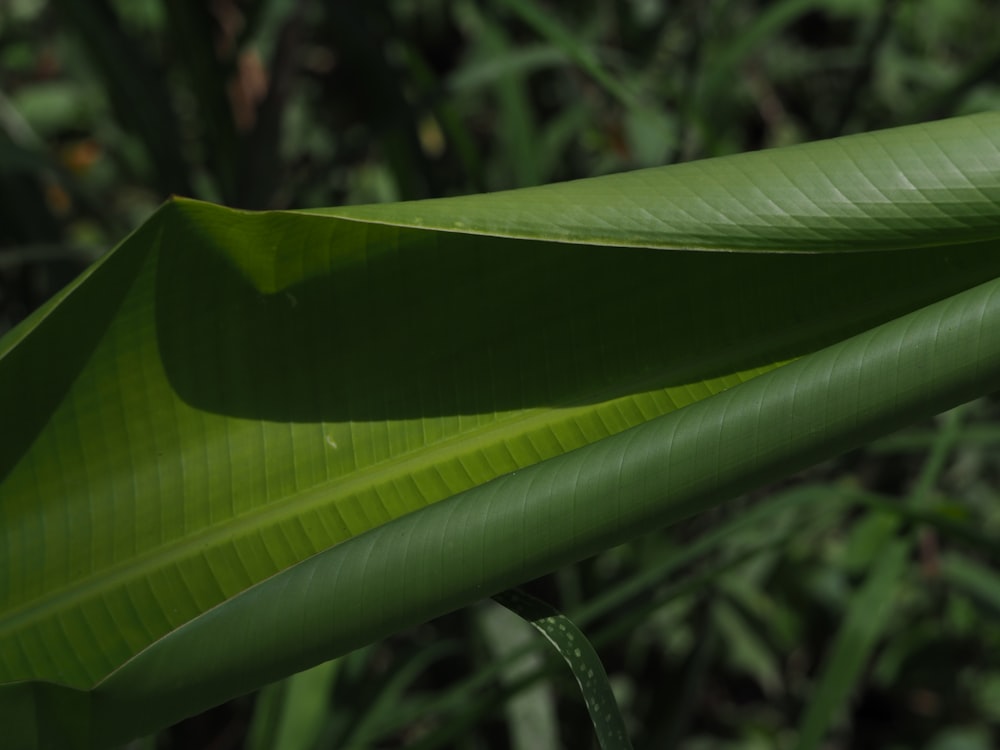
[573, 646]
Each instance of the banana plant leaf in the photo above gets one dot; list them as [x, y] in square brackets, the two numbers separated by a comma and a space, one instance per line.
[243, 443]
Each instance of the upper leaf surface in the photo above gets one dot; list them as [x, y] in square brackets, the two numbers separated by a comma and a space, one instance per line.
[227, 394]
[917, 186]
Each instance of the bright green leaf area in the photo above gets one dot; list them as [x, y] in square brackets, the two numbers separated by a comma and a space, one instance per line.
[226, 395]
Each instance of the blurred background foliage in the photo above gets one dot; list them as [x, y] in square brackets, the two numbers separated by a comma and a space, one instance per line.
[855, 606]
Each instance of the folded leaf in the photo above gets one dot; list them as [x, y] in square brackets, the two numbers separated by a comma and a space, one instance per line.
[243, 443]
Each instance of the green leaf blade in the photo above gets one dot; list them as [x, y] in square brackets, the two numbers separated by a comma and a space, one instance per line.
[917, 186]
[255, 392]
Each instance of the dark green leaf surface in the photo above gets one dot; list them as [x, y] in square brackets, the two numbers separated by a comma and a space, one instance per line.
[249, 442]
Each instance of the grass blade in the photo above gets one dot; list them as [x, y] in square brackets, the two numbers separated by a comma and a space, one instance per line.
[863, 623]
[531, 713]
[582, 659]
[290, 714]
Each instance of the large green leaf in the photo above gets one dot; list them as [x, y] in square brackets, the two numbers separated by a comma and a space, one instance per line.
[244, 443]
